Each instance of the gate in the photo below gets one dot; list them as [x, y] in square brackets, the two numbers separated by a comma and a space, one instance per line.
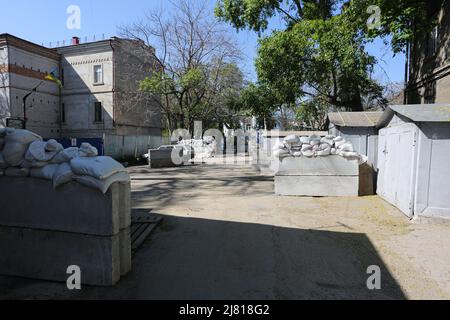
[397, 166]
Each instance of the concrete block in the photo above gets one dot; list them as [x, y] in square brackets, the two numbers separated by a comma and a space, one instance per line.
[124, 205]
[46, 255]
[125, 251]
[32, 203]
[317, 186]
[330, 176]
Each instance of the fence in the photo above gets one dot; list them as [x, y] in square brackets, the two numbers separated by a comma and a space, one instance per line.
[123, 147]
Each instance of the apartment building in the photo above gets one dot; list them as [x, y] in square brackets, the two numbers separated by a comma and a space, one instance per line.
[429, 59]
[99, 93]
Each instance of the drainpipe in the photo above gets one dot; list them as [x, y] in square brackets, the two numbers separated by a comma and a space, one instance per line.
[407, 62]
[114, 81]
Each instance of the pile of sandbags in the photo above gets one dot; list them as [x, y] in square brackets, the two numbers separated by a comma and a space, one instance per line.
[314, 146]
[24, 154]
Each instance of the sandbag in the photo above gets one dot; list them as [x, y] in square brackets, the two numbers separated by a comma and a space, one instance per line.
[350, 155]
[328, 141]
[46, 172]
[297, 154]
[87, 150]
[324, 152]
[43, 151]
[279, 145]
[305, 140]
[308, 153]
[280, 152]
[306, 147]
[339, 141]
[292, 139]
[62, 175]
[17, 172]
[97, 167]
[348, 147]
[333, 151]
[16, 145]
[66, 155]
[33, 164]
[102, 185]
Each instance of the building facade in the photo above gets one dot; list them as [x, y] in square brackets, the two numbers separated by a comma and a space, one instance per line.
[23, 66]
[99, 94]
[429, 59]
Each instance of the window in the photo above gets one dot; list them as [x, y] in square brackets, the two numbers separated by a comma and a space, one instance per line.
[98, 116]
[98, 74]
[432, 41]
[63, 113]
[429, 95]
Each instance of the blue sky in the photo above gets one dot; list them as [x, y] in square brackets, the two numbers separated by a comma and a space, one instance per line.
[44, 21]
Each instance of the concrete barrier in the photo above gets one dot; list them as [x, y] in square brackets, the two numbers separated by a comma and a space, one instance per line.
[43, 231]
[329, 176]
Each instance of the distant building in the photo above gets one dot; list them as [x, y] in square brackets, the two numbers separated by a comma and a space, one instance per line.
[23, 65]
[429, 59]
[99, 93]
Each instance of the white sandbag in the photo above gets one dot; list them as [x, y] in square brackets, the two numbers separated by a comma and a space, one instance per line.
[328, 141]
[324, 146]
[316, 147]
[43, 151]
[87, 150]
[314, 142]
[17, 172]
[62, 175]
[16, 145]
[334, 151]
[102, 185]
[305, 140]
[292, 139]
[14, 152]
[324, 152]
[21, 136]
[308, 153]
[297, 154]
[347, 147]
[350, 155]
[279, 145]
[280, 152]
[330, 136]
[3, 163]
[46, 172]
[33, 164]
[53, 146]
[66, 155]
[339, 141]
[306, 147]
[97, 167]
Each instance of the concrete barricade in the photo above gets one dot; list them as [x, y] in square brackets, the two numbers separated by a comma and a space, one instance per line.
[44, 231]
[329, 176]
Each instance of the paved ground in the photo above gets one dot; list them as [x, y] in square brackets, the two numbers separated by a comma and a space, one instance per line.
[225, 235]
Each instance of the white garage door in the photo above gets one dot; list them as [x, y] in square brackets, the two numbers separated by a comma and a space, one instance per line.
[397, 154]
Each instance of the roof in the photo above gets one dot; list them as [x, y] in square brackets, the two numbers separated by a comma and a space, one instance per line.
[417, 113]
[10, 40]
[355, 119]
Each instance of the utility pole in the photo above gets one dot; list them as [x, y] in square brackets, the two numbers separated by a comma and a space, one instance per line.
[24, 104]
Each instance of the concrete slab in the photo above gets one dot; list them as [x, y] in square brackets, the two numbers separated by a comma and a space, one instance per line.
[32, 203]
[46, 255]
[332, 176]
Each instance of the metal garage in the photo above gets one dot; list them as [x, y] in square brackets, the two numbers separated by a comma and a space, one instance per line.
[414, 159]
[359, 128]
